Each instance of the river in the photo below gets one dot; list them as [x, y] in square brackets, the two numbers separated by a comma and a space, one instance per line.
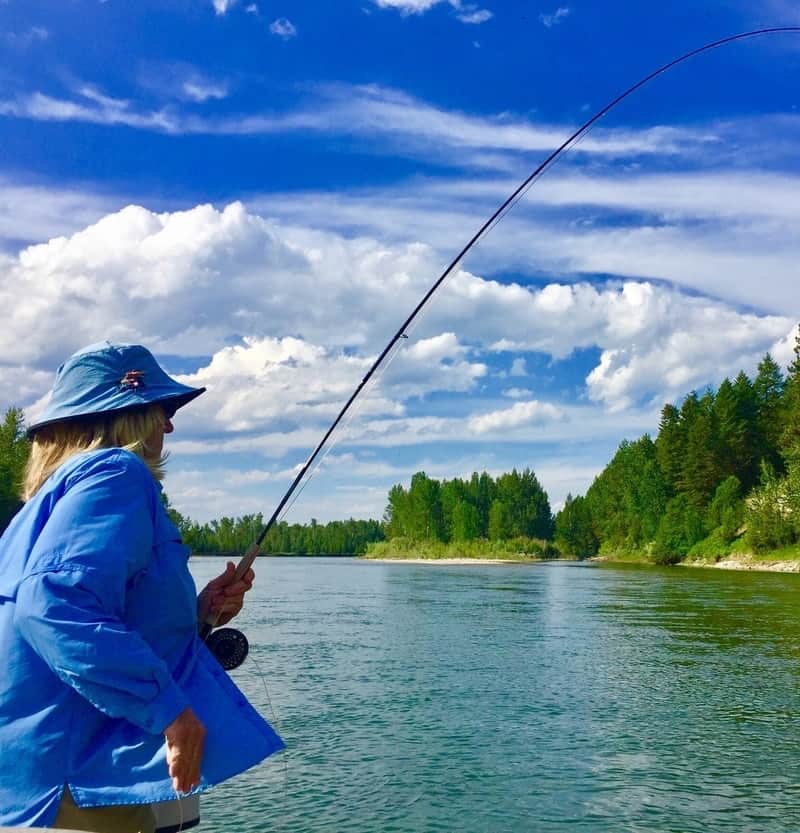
[544, 697]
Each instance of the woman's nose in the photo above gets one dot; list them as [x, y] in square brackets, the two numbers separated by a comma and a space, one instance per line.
[168, 426]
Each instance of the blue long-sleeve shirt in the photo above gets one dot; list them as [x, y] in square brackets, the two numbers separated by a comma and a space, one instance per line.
[98, 633]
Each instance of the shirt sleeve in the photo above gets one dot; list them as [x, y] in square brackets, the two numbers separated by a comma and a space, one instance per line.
[71, 603]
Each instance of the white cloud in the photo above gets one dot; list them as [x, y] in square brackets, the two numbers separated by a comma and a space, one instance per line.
[188, 282]
[783, 350]
[465, 12]
[200, 90]
[470, 14]
[406, 125]
[286, 320]
[550, 20]
[34, 212]
[518, 366]
[222, 7]
[519, 414]
[407, 6]
[23, 40]
[252, 9]
[283, 28]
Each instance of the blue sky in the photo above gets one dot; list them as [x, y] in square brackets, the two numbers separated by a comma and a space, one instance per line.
[261, 192]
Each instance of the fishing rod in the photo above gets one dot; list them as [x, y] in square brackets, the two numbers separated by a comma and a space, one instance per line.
[229, 644]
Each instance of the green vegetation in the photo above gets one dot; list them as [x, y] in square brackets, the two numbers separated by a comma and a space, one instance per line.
[14, 448]
[513, 549]
[507, 518]
[722, 477]
[231, 536]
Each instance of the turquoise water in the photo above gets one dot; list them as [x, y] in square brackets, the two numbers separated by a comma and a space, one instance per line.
[548, 697]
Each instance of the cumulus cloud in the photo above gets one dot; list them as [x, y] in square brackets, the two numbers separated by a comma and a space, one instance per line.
[281, 323]
[783, 350]
[550, 20]
[290, 298]
[519, 414]
[283, 28]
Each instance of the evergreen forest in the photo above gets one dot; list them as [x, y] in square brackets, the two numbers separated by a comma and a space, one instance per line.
[721, 476]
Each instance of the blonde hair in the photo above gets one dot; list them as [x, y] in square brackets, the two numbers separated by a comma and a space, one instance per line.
[56, 443]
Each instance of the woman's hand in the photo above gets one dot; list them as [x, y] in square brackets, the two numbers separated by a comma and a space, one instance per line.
[223, 597]
[185, 739]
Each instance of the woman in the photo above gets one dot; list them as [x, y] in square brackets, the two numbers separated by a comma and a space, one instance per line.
[109, 701]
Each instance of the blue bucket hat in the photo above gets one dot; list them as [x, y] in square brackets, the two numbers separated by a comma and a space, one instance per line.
[106, 378]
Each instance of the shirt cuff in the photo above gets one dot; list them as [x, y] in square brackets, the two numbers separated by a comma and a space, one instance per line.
[161, 711]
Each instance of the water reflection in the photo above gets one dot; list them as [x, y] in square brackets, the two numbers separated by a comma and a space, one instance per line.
[547, 697]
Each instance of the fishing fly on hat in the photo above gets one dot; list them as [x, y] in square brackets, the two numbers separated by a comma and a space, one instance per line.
[106, 378]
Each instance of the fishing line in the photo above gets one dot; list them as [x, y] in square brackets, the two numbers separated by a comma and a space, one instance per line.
[342, 433]
[249, 557]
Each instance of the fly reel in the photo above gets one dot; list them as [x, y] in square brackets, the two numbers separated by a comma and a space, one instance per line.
[229, 647]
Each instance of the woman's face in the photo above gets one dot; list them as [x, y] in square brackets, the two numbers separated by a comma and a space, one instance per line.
[155, 442]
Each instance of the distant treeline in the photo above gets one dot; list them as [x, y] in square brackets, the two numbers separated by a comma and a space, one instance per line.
[722, 473]
[229, 536]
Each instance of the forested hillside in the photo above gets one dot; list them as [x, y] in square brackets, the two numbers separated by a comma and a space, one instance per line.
[722, 473]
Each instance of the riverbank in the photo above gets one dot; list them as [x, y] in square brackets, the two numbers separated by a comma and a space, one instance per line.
[734, 561]
[455, 562]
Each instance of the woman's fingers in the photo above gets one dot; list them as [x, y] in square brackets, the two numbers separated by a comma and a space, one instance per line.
[223, 597]
[185, 738]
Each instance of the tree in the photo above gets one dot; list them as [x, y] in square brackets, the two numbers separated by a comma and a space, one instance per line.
[790, 435]
[499, 521]
[768, 392]
[528, 506]
[726, 511]
[768, 515]
[465, 522]
[701, 470]
[14, 451]
[426, 521]
[680, 528]
[573, 528]
[671, 446]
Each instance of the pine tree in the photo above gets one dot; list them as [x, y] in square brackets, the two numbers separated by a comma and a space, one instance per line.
[671, 446]
[790, 436]
[768, 390]
[701, 472]
[14, 451]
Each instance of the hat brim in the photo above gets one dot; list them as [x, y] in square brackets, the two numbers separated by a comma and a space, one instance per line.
[174, 402]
